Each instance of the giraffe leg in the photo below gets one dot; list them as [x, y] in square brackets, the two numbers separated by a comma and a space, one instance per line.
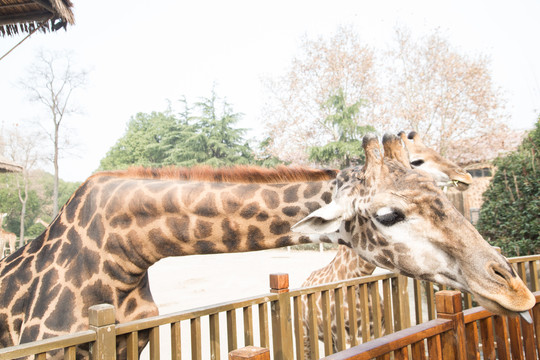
[307, 348]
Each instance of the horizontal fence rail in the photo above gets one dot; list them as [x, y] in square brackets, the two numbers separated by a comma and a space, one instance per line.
[455, 335]
[66, 343]
[384, 304]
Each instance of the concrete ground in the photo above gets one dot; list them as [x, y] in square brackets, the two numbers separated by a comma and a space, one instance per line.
[182, 283]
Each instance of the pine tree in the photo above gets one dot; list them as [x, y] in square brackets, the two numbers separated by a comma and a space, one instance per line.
[346, 149]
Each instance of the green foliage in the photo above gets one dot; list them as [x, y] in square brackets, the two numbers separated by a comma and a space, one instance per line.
[147, 142]
[264, 156]
[347, 149]
[39, 204]
[207, 136]
[217, 142]
[10, 204]
[509, 217]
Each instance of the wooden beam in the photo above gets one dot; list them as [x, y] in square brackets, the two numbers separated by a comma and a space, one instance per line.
[13, 6]
[23, 18]
[47, 5]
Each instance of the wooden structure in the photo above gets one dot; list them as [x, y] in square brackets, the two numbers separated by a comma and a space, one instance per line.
[250, 353]
[271, 321]
[8, 166]
[25, 16]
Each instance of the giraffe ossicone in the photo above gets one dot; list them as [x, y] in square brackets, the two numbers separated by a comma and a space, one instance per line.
[117, 224]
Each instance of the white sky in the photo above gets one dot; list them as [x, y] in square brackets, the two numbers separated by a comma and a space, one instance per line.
[141, 53]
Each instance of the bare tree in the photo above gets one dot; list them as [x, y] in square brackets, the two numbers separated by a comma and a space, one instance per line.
[443, 94]
[420, 84]
[51, 83]
[24, 148]
[295, 113]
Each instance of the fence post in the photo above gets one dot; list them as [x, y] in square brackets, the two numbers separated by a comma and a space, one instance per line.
[101, 319]
[281, 317]
[250, 353]
[449, 307]
[400, 296]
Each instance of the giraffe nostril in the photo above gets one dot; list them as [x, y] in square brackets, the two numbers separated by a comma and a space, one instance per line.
[500, 274]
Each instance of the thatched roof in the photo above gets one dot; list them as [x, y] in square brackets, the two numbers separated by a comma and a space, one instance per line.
[24, 16]
[8, 166]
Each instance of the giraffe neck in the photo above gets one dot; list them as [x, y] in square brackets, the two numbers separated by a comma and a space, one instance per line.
[137, 222]
[357, 266]
[347, 264]
[112, 229]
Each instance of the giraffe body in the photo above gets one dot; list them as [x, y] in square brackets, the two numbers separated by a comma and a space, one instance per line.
[345, 265]
[117, 224]
[114, 227]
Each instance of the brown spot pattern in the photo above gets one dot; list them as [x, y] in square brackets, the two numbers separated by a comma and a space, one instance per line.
[270, 198]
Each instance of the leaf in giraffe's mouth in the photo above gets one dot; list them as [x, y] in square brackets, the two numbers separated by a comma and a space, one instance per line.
[525, 315]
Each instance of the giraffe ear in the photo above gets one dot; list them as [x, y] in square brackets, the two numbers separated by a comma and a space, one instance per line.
[325, 220]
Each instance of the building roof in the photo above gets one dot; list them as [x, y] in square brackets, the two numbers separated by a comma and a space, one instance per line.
[8, 166]
[24, 16]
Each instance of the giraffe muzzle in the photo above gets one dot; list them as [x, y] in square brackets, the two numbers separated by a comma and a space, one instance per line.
[460, 185]
[504, 292]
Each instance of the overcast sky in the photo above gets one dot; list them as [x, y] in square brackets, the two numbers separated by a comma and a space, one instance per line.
[142, 53]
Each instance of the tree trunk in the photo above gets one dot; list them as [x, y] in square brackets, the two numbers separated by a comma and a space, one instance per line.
[55, 161]
[23, 200]
[23, 215]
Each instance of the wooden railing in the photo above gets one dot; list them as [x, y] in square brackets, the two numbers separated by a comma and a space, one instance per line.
[454, 335]
[393, 306]
[274, 320]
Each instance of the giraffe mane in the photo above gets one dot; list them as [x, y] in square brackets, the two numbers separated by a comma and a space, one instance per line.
[234, 174]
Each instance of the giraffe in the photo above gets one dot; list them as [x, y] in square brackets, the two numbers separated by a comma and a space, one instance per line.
[347, 264]
[2, 241]
[42, 222]
[117, 224]
[6, 237]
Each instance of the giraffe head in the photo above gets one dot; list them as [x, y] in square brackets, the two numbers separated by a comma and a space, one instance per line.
[443, 171]
[397, 218]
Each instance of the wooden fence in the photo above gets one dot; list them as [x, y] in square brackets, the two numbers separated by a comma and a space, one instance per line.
[272, 321]
[456, 334]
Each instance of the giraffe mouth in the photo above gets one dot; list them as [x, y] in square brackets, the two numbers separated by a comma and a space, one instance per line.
[500, 309]
[460, 185]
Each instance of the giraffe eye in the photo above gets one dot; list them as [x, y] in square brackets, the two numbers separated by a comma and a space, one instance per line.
[417, 163]
[389, 216]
